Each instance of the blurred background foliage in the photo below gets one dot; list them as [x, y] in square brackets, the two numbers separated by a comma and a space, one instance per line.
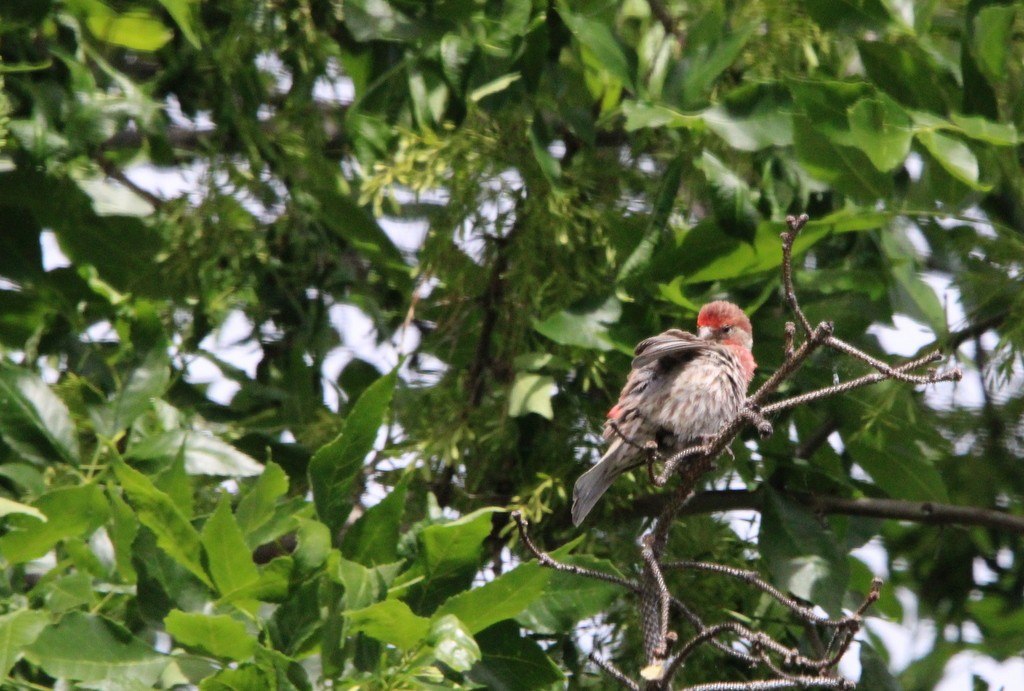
[231, 231]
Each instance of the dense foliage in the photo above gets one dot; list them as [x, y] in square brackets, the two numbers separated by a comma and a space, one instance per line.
[416, 242]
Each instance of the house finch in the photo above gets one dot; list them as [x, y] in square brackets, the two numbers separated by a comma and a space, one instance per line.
[681, 388]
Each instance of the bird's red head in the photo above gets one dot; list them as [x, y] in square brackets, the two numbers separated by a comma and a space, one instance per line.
[715, 315]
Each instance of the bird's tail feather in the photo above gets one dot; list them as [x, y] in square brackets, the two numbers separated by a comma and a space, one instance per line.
[592, 484]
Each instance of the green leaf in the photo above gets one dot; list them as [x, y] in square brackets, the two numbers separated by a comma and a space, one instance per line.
[731, 198]
[983, 129]
[204, 454]
[641, 115]
[73, 591]
[120, 248]
[991, 40]
[184, 15]
[531, 393]
[448, 558]
[875, 672]
[494, 86]
[597, 37]
[881, 129]
[33, 420]
[911, 294]
[848, 14]
[584, 325]
[8, 506]
[335, 465]
[953, 155]
[548, 164]
[17, 630]
[753, 118]
[373, 538]
[453, 643]
[256, 509]
[513, 663]
[802, 555]
[122, 529]
[901, 472]
[86, 647]
[370, 20]
[69, 511]
[216, 634]
[271, 586]
[568, 599]
[707, 254]
[357, 226]
[133, 30]
[228, 558]
[390, 621]
[147, 382]
[503, 598]
[827, 158]
[242, 678]
[640, 258]
[174, 534]
[710, 61]
[363, 586]
[314, 544]
[907, 73]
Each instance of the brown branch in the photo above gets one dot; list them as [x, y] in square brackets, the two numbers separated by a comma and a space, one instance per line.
[816, 439]
[546, 560]
[796, 224]
[957, 338]
[752, 578]
[613, 672]
[655, 603]
[115, 173]
[667, 21]
[927, 512]
[773, 684]
[491, 302]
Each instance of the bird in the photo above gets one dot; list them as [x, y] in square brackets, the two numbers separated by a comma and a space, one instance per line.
[681, 388]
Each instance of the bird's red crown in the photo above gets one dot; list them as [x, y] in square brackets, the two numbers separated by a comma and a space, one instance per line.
[719, 313]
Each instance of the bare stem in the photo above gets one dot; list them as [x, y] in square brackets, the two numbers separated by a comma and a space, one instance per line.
[614, 672]
[796, 224]
[546, 560]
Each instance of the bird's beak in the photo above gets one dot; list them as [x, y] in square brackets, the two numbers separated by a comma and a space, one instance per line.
[705, 332]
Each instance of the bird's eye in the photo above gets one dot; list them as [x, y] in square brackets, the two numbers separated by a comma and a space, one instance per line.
[726, 329]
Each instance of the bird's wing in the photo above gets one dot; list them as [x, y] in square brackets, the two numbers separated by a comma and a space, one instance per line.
[669, 344]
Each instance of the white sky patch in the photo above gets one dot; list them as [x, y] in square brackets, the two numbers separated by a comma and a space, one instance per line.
[359, 336]
[904, 338]
[408, 235]
[964, 666]
[201, 121]
[906, 641]
[100, 332]
[873, 555]
[233, 345]
[334, 87]
[53, 255]
[168, 183]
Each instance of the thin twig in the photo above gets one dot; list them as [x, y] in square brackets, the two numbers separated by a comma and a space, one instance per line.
[796, 224]
[773, 684]
[546, 560]
[613, 672]
[755, 580]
